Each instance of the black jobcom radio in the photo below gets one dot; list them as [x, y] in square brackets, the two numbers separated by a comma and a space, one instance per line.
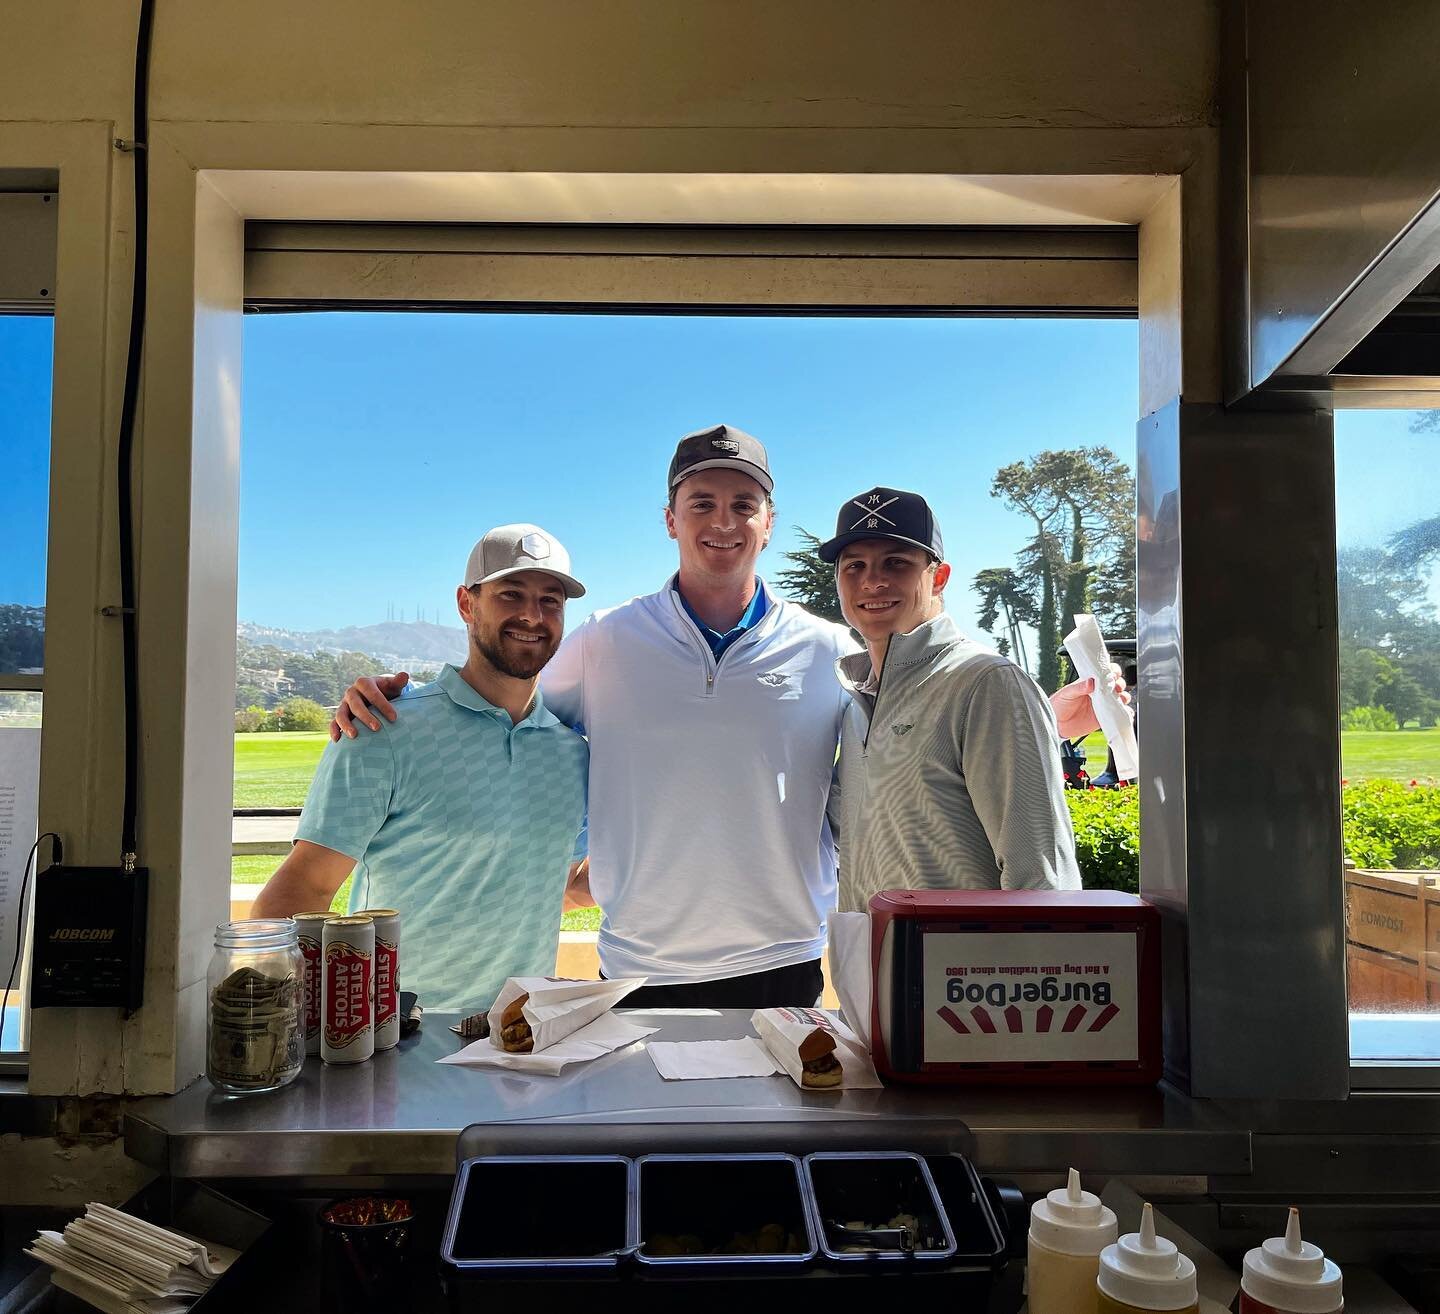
[89, 938]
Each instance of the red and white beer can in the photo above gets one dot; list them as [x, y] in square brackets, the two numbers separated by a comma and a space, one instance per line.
[347, 1016]
[387, 975]
[309, 931]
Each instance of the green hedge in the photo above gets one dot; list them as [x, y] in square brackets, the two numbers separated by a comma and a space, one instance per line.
[1107, 837]
[1387, 823]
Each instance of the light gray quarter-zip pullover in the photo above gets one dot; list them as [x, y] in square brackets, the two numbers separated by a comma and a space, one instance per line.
[950, 773]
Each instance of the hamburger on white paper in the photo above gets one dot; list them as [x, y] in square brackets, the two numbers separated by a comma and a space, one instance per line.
[795, 1035]
[556, 1007]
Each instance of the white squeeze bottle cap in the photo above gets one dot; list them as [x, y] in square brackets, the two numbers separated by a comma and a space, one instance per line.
[1289, 1274]
[1073, 1221]
[1147, 1271]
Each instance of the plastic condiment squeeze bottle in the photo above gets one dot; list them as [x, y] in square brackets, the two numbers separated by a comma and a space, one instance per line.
[1286, 1275]
[1142, 1271]
[1068, 1230]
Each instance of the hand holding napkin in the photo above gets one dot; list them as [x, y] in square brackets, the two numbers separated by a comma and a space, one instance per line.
[1086, 646]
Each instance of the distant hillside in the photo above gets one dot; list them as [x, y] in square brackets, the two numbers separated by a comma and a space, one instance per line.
[396, 645]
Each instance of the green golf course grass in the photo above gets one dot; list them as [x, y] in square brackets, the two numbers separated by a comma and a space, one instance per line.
[256, 869]
[274, 770]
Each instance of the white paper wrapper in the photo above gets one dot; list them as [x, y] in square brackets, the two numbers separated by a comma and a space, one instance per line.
[602, 1036]
[850, 970]
[1086, 646]
[700, 1060]
[782, 1030]
[557, 1008]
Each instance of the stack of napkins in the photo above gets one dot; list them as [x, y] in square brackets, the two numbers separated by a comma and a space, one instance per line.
[125, 1265]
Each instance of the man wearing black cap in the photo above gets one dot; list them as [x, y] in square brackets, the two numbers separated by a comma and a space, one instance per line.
[713, 714]
[950, 770]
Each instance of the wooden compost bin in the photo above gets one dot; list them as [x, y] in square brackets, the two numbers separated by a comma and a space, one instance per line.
[1392, 934]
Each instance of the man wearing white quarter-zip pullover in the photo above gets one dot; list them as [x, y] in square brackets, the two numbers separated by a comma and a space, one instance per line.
[713, 722]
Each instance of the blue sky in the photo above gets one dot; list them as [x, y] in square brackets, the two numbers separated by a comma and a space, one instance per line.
[378, 447]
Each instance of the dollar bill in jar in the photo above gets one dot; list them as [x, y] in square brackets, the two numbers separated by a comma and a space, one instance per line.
[347, 1017]
[254, 1038]
[387, 975]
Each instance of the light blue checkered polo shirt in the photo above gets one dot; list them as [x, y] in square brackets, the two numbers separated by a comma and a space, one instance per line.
[467, 825]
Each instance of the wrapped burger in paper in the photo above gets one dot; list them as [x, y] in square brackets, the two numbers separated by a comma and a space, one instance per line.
[816, 1049]
[531, 1013]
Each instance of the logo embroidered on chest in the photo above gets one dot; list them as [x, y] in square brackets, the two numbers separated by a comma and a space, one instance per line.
[775, 679]
[902, 727]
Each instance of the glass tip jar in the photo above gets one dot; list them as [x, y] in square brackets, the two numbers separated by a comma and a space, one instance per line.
[255, 1035]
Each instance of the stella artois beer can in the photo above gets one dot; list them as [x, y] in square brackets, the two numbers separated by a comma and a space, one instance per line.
[309, 929]
[387, 975]
[347, 1017]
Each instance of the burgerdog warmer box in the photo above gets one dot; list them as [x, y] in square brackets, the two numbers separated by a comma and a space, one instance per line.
[1015, 987]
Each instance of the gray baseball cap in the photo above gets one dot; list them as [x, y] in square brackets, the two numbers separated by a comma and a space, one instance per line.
[509, 549]
[721, 447]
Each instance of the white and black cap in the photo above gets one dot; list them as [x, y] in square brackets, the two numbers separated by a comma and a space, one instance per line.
[720, 447]
[886, 513]
[509, 549]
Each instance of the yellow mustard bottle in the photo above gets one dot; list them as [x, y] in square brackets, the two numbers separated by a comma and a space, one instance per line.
[1068, 1230]
[1142, 1272]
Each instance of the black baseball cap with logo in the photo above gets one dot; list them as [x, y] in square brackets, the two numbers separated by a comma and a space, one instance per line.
[720, 447]
[886, 513]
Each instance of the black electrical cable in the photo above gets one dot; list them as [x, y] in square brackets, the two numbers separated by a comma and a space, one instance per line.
[57, 857]
[129, 663]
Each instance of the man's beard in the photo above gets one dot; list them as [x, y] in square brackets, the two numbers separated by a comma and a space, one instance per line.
[521, 665]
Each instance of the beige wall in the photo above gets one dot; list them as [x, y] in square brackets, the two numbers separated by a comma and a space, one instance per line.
[735, 64]
[1037, 87]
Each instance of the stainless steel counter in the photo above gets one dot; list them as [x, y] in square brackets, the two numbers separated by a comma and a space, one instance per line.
[401, 1113]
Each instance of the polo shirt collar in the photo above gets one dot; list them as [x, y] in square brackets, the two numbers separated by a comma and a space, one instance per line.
[462, 693]
[752, 616]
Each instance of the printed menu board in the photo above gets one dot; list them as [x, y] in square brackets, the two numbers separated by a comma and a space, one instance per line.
[19, 813]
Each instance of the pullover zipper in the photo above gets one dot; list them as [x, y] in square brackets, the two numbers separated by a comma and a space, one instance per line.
[879, 686]
[712, 666]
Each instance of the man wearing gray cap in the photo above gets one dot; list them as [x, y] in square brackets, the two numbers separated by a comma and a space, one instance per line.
[464, 811]
[713, 715]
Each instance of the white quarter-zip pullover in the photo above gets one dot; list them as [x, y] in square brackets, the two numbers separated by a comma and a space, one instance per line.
[710, 852]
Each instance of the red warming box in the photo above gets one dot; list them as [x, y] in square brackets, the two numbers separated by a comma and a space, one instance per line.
[1015, 987]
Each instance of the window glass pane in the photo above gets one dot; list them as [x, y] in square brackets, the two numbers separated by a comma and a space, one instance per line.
[25, 350]
[441, 426]
[1388, 529]
[19, 748]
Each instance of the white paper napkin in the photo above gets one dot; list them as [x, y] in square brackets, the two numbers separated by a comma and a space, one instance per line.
[1086, 646]
[599, 1037]
[850, 969]
[699, 1060]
